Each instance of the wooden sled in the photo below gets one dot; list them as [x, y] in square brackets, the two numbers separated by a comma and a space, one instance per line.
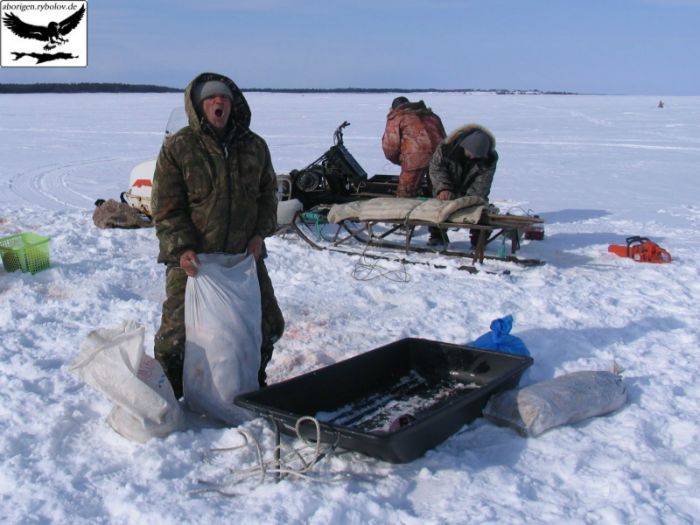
[384, 232]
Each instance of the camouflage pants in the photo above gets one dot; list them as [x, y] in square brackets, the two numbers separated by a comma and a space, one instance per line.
[409, 182]
[169, 346]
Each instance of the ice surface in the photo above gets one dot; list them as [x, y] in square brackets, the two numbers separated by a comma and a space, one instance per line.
[597, 169]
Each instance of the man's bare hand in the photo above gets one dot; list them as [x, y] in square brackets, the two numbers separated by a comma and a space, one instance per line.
[445, 195]
[189, 262]
[255, 246]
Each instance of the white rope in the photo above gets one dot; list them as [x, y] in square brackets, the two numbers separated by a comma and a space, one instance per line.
[367, 270]
[296, 463]
[526, 213]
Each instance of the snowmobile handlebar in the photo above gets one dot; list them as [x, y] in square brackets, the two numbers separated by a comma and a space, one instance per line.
[338, 134]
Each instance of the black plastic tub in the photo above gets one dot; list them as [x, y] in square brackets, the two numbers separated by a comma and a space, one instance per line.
[394, 402]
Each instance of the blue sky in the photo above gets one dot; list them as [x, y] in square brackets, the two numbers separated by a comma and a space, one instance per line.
[586, 46]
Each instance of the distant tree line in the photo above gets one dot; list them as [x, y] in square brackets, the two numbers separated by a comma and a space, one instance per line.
[85, 87]
[95, 87]
[405, 90]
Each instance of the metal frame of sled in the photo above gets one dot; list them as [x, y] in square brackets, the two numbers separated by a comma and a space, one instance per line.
[490, 228]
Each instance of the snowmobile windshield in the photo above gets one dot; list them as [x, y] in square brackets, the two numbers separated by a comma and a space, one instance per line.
[176, 121]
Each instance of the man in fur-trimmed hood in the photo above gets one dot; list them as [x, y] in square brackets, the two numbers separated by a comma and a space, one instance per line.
[462, 165]
[214, 190]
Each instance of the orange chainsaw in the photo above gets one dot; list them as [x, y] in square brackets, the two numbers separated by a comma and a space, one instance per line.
[641, 249]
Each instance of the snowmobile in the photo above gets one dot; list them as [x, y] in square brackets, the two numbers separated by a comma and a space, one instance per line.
[141, 177]
[336, 177]
[140, 185]
[333, 178]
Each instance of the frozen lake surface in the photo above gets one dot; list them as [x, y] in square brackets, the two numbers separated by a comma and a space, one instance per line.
[597, 168]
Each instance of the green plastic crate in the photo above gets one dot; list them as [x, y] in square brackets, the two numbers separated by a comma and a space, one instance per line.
[25, 251]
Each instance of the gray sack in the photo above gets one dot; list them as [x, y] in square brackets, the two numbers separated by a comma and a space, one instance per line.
[569, 398]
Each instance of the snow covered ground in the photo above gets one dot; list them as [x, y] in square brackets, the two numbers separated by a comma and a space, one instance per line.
[597, 168]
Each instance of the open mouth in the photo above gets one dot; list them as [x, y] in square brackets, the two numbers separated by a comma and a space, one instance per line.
[219, 112]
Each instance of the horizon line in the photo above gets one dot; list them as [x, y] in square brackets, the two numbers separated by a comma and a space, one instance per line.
[113, 86]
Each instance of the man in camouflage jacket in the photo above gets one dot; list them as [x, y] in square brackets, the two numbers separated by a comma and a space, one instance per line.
[214, 190]
[410, 137]
[463, 165]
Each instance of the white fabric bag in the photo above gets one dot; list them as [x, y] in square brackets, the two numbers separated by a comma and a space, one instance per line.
[222, 323]
[112, 361]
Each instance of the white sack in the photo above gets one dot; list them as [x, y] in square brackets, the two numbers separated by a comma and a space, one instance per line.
[563, 400]
[339, 212]
[222, 323]
[112, 361]
[287, 210]
[468, 209]
[461, 210]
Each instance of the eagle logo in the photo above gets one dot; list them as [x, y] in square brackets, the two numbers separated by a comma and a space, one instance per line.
[54, 33]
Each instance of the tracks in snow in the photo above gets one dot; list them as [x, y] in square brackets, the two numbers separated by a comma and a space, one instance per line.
[57, 187]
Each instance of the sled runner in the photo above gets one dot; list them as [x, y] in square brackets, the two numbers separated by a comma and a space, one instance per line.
[394, 402]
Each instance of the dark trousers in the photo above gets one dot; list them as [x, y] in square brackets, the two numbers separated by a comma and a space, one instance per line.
[410, 182]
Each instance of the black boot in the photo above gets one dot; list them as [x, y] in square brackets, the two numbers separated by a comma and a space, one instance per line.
[172, 366]
[265, 356]
[437, 237]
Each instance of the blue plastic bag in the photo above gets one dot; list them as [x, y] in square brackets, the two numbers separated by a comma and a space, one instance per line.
[499, 338]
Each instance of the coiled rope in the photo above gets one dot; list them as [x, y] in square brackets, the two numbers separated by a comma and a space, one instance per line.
[296, 463]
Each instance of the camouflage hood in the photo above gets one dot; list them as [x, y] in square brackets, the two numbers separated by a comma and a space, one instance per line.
[410, 107]
[239, 120]
[212, 194]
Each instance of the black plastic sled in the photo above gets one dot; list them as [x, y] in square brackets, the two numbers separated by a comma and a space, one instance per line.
[395, 402]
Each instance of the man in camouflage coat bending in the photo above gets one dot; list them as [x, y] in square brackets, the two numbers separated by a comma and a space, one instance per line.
[214, 190]
[411, 134]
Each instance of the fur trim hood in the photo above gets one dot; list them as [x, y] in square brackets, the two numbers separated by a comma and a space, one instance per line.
[465, 130]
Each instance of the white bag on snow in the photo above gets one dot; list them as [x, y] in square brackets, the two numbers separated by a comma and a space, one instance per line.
[566, 399]
[222, 323]
[112, 361]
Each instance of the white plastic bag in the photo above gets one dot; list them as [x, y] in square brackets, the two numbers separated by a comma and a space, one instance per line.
[566, 399]
[112, 361]
[222, 323]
